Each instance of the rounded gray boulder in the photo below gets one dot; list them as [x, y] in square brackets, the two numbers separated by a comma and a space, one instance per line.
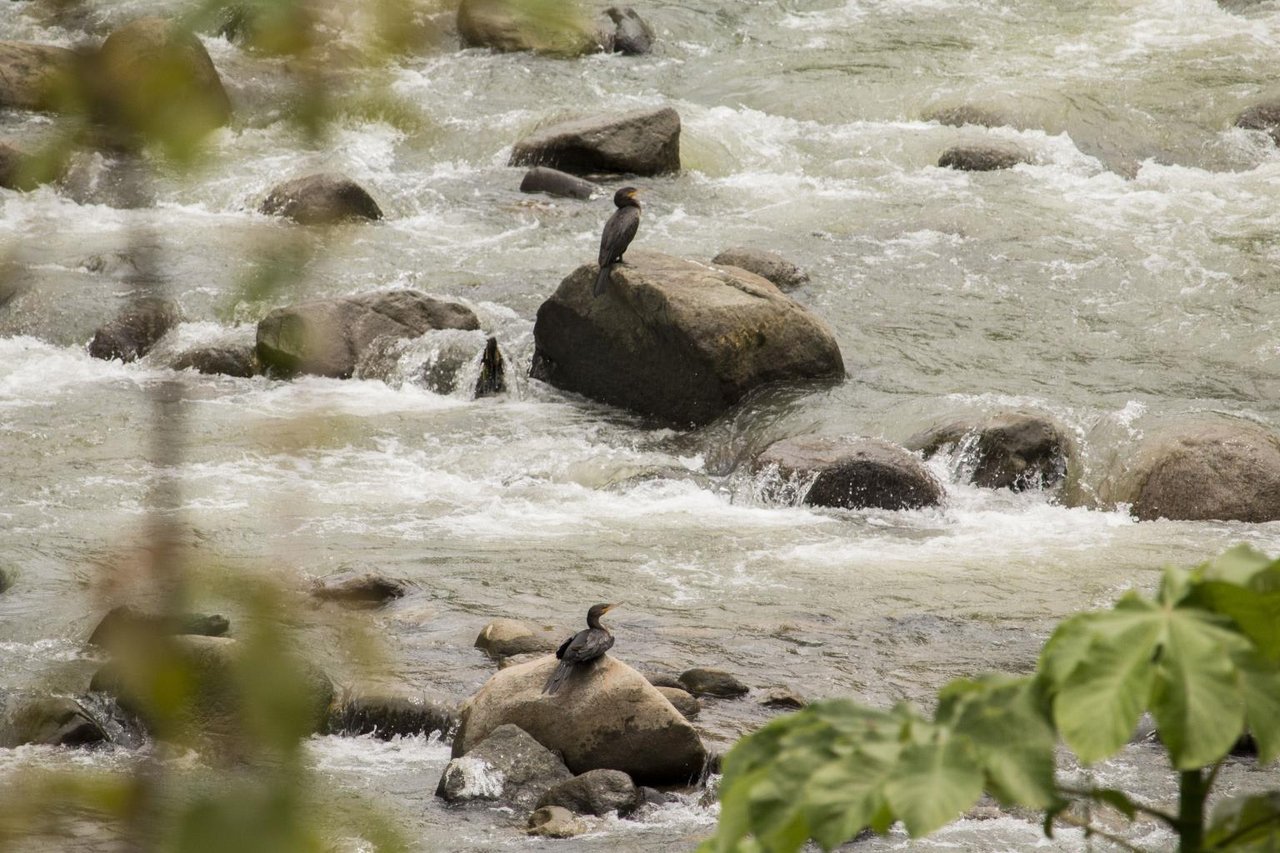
[510, 26]
[321, 199]
[641, 142]
[34, 76]
[596, 792]
[982, 158]
[1011, 450]
[503, 638]
[507, 765]
[1264, 116]
[851, 473]
[770, 265]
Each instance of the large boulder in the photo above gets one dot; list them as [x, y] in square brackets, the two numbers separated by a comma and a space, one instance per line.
[48, 721]
[541, 179]
[1007, 451]
[632, 35]
[596, 792]
[509, 26]
[321, 199]
[682, 700]
[125, 622]
[1264, 116]
[135, 330]
[982, 158]
[606, 717]
[503, 638]
[328, 336]
[1203, 471]
[770, 265]
[34, 76]
[677, 340]
[852, 473]
[642, 142]
[507, 765]
[359, 589]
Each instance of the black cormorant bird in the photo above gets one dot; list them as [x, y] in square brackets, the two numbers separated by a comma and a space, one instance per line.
[618, 233]
[582, 647]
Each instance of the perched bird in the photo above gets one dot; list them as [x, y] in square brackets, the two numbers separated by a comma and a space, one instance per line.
[582, 647]
[618, 233]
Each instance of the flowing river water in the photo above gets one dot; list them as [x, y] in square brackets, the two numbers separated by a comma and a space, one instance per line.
[1123, 279]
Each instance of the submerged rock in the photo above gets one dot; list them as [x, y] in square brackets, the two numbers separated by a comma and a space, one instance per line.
[327, 337]
[510, 26]
[541, 179]
[642, 142]
[606, 717]
[852, 473]
[770, 265]
[554, 822]
[507, 637]
[24, 172]
[677, 340]
[982, 158]
[596, 792]
[453, 362]
[682, 700]
[632, 35]
[1202, 472]
[386, 717]
[34, 76]
[965, 114]
[1007, 451]
[1264, 116]
[321, 199]
[783, 697]
[48, 721]
[136, 329]
[359, 589]
[507, 765]
[125, 620]
[713, 682]
[239, 360]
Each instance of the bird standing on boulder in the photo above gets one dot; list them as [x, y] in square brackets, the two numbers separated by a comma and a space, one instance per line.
[618, 233]
[583, 646]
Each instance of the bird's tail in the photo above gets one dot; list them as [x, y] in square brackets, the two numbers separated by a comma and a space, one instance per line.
[603, 278]
[558, 678]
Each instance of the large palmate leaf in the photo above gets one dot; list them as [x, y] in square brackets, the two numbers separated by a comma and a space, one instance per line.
[1260, 683]
[934, 782]
[1244, 586]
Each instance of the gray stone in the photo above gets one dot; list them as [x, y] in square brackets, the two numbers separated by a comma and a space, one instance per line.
[606, 717]
[386, 717]
[713, 682]
[359, 589]
[321, 199]
[129, 621]
[507, 765]
[676, 340]
[770, 265]
[328, 336]
[642, 142]
[554, 822]
[596, 792]
[632, 35]
[783, 697]
[541, 179]
[1264, 116]
[682, 700]
[48, 721]
[1006, 451]
[509, 26]
[852, 473]
[982, 158]
[34, 76]
[509, 637]
[966, 114]
[446, 361]
[135, 330]
[240, 360]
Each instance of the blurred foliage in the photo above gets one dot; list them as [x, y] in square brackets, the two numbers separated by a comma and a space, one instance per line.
[1203, 656]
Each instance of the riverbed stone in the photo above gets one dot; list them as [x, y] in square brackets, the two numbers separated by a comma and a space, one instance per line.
[641, 142]
[504, 638]
[1011, 450]
[359, 589]
[966, 114]
[124, 621]
[682, 700]
[554, 822]
[852, 473]
[328, 336]
[507, 765]
[632, 35]
[770, 265]
[1264, 116]
[982, 158]
[701, 681]
[48, 721]
[34, 76]
[543, 179]
[784, 698]
[239, 360]
[607, 716]
[324, 198]
[386, 717]
[1202, 471]
[596, 792]
[677, 340]
[136, 329]
[510, 26]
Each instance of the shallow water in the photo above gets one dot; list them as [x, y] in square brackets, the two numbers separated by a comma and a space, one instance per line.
[1122, 280]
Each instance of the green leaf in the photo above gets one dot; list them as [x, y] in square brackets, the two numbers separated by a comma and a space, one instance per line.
[934, 782]
[1009, 726]
[1246, 824]
[1243, 586]
[1260, 681]
[845, 796]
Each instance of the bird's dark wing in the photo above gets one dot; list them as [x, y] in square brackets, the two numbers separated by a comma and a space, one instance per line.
[587, 645]
[619, 231]
[560, 651]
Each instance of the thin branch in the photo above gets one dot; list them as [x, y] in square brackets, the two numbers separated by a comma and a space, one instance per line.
[1165, 817]
[1090, 829]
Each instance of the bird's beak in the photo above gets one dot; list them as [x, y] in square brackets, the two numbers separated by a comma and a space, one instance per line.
[611, 606]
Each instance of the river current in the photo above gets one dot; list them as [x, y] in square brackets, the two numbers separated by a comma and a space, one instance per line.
[1123, 279]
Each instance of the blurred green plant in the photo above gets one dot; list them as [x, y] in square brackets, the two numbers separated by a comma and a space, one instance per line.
[1203, 656]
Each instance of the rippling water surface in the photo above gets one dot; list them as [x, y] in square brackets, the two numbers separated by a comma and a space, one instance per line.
[1122, 279]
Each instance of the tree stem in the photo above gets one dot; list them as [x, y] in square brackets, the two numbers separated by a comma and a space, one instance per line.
[1193, 789]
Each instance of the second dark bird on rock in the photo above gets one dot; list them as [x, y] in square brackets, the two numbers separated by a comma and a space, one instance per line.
[618, 233]
[582, 647]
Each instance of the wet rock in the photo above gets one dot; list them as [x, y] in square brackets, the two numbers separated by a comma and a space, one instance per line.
[135, 330]
[34, 76]
[24, 172]
[125, 620]
[321, 199]
[770, 265]
[596, 792]
[783, 697]
[632, 35]
[541, 179]
[966, 114]
[1264, 116]
[268, 29]
[327, 337]
[515, 660]
[507, 765]
[853, 473]
[677, 340]
[508, 637]
[642, 142]
[654, 797]
[664, 679]
[114, 180]
[359, 589]
[446, 361]
[510, 26]
[554, 822]
[48, 721]
[386, 717]
[606, 717]
[713, 682]
[1007, 451]
[240, 360]
[1201, 472]
[682, 700]
[982, 158]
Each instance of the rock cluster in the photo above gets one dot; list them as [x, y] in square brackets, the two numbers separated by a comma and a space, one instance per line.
[850, 473]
